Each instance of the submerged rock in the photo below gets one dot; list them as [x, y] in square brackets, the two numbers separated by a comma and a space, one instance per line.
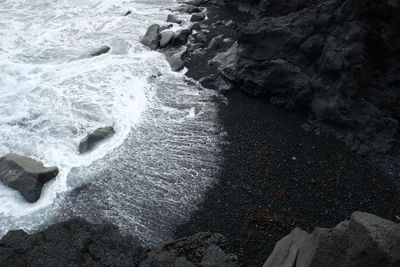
[152, 37]
[365, 240]
[91, 140]
[102, 50]
[26, 175]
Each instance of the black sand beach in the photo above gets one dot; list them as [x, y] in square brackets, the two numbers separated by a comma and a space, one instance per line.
[276, 176]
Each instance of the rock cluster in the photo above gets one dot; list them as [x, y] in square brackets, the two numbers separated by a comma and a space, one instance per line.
[177, 46]
[79, 243]
[336, 58]
[365, 240]
[26, 175]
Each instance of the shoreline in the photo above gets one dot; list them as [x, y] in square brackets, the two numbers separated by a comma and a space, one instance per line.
[275, 176]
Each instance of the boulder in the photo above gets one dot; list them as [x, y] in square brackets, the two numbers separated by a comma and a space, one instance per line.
[166, 38]
[152, 37]
[195, 27]
[365, 240]
[200, 37]
[216, 42]
[93, 139]
[197, 17]
[26, 175]
[172, 18]
[102, 50]
[181, 37]
[177, 59]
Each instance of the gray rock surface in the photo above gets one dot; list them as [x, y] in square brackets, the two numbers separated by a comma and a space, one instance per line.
[174, 19]
[102, 50]
[197, 17]
[166, 38]
[152, 37]
[365, 240]
[93, 139]
[26, 175]
[177, 59]
[216, 42]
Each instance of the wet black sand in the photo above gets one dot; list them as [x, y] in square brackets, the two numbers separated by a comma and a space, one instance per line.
[277, 176]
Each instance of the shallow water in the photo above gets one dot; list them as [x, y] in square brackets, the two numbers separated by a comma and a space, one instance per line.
[153, 172]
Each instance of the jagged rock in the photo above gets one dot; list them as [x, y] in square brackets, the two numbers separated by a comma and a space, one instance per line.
[192, 249]
[102, 50]
[365, 240]
[216, 42]
[331, 57]
[71, 243]
[172, 18]
[181, 37]
[152, 37]
[26, 175]
[177, 59]
[216, 82]
[216, 257]
[93, 139]
[166, 38]
[197, 17]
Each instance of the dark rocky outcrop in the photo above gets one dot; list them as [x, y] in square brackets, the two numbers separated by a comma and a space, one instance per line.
[102, 50]
[365, 240]
[93, 139]
[79, 243]
[201, 249]
[26, 175]
[71, 243]
[336, 58]
[152, 37]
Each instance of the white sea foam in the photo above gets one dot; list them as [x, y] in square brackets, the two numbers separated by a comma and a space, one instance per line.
[52, 94]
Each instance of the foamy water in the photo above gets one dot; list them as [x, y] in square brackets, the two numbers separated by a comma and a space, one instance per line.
[52, 94]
